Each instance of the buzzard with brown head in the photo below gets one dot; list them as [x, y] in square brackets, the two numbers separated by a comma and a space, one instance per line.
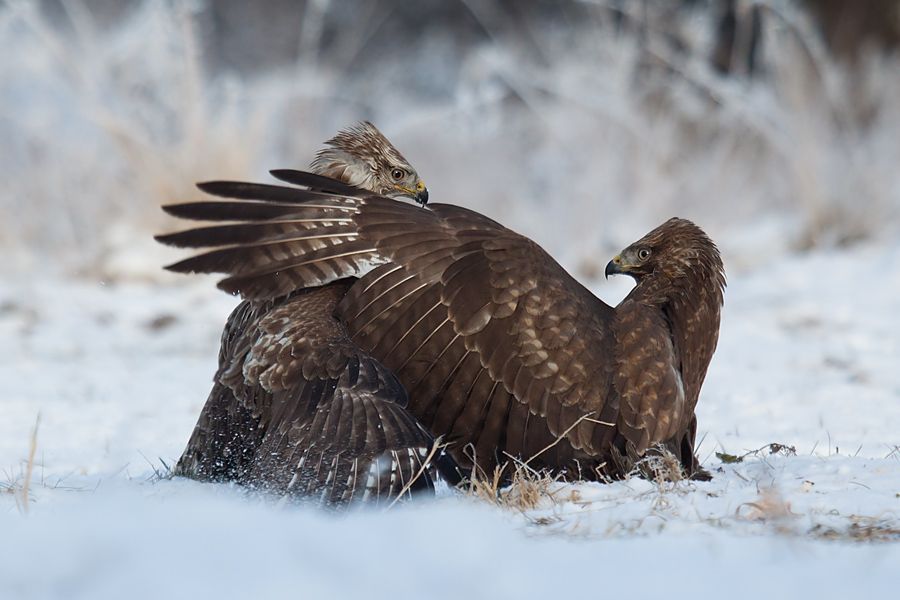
[370, 327]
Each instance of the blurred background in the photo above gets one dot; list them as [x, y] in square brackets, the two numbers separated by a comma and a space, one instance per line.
[581, 123]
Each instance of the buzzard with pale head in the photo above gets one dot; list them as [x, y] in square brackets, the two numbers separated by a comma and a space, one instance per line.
[361, 156]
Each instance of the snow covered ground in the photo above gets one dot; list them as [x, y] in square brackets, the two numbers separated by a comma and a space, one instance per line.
[118, 373]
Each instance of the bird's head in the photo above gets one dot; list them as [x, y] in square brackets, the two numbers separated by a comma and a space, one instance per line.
[674, 249]
[361, 156]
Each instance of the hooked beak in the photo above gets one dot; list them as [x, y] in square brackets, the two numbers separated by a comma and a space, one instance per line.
[614, 267]
[421, 193]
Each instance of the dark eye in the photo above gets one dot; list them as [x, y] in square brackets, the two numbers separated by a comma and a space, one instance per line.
[398, 174]
[644, 253]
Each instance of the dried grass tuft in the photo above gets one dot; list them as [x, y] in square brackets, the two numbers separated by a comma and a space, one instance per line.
[661, 467]
[769, 507]
[861, 529]
[513, 485]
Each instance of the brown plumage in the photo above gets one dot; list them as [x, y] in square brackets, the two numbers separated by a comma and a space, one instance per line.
[467, 330]
[296, 406]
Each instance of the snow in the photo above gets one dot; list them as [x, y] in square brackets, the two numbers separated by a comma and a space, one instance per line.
[118, 372]
[178, 541]
[584, 150]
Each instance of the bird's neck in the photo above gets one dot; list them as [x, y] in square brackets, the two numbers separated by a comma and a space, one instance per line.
[690, 307]
[681, 293]
[340, 165]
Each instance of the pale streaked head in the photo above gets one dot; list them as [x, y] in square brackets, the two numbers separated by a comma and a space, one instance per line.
[361, 156]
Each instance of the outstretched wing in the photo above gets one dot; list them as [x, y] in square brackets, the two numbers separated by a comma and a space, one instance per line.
[298, 408]
[225, 441]
[335, 419]
[497, 346]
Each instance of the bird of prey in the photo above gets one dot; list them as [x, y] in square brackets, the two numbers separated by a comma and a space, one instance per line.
[254, 414]
[371, 326]
[361, 156]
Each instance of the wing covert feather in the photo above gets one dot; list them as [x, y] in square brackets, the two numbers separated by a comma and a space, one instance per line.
[335, 419]
[435, 286]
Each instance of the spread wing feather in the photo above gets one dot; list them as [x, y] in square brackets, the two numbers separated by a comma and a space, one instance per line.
[312, 181]
[348, 439]
[299, 409]
[340, 429]
[232, 211]
[474, 320]
[267, 233]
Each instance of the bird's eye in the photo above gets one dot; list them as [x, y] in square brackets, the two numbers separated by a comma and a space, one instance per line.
[398, 174]
[644, 253]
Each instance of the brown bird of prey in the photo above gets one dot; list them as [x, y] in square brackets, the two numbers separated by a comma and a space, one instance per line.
[251, 416]
[371, 326]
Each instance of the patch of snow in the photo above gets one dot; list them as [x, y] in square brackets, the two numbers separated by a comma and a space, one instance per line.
[119, 372]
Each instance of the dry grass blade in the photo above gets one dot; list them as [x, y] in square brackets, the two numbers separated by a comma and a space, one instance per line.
[584, 417]
[22, 500]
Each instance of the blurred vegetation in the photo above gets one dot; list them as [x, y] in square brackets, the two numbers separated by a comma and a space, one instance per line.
[729, 112]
